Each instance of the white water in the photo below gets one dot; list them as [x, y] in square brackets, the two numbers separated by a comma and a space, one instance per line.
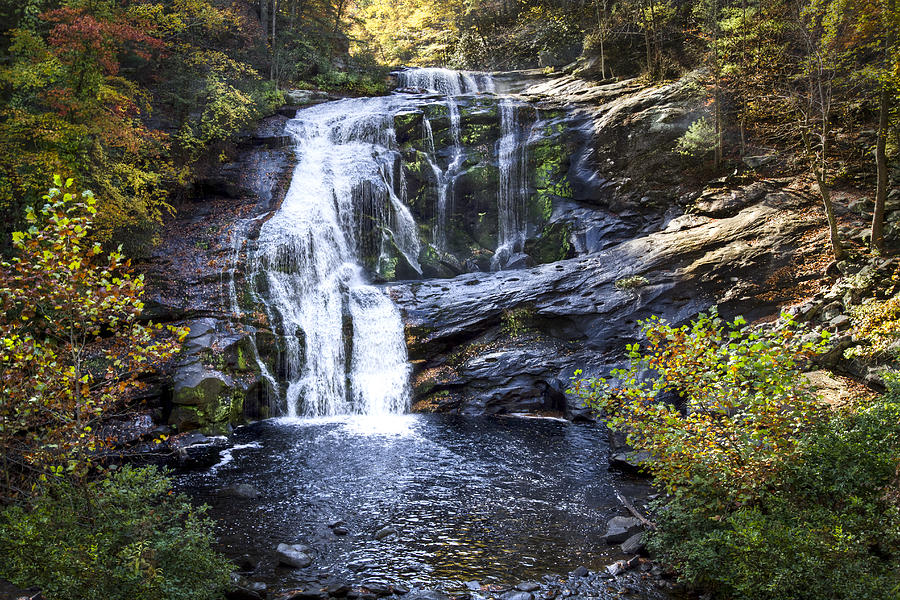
[344, 349]
[512, 196]
[451, 84]
[341, 339]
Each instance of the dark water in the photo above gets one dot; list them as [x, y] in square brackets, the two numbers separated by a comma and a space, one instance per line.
[491, 499]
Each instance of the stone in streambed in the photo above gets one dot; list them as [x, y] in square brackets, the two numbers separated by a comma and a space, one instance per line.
[516, 595]
[428, 595]
[385, 532]
[311, 594]
[634, 544]
[242, 491]
[379, 588]
[619, 529]
[294, 555]
[580, 572]
[244, 589]
[528, 586]
[340, 530]
[337, 590]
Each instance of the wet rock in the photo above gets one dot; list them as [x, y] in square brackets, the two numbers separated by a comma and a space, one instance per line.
[517, 595]
[308, 594]
[617, 568]
[385, 532]
[337, 590]
[244, 589]
[243, 491]
[473, 586]
[400, 590]
[580, 572]
[528, 586]
[294, 555]
[379, 588]
[336, 523]
[247, 563]
[340, 530]
[630, 462]
[427, 595]
[8, 591]
[634, 544]
[619, 529]
[579, 314]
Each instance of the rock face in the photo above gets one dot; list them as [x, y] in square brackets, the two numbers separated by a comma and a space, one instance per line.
[610, 226]
[579, 312]
[217, 381]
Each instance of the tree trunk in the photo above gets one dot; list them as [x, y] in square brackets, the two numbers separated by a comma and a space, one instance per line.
[825, 192]
[272, 62]
[264, 19]
[884, 115]
[881, 166]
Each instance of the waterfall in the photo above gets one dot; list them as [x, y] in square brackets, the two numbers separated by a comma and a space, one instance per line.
[512, 195]
[342, 339]
[451, 84]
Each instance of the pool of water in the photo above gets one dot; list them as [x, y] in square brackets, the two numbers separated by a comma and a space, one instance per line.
[490, 499]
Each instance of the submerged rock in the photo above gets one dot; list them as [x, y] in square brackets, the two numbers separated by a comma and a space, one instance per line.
[297, 556]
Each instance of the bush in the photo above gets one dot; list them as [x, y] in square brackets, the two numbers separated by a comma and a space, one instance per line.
[124, 537]
[740, 402]
[699, 140]
[828, 529]
[771, 495]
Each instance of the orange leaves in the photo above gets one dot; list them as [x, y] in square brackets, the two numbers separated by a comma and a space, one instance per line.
[69, 335]
[713, 399]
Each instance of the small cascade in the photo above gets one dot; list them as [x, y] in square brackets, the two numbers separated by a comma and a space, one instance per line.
[451, 84]
[342, 339]
[512, 196]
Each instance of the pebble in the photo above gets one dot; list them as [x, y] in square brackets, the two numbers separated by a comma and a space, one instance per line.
[385, 533]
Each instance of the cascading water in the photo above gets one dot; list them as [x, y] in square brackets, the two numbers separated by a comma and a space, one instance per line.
[512, 162]
[341, 340]
[343, 345]
[451, 84]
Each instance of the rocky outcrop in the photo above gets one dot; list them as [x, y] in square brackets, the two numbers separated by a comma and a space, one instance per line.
[216, 381]
[579, 313]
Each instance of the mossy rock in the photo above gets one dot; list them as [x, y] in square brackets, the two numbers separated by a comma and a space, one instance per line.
[408, 125]
[552, 245]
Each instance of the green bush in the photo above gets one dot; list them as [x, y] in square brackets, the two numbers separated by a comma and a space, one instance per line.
[829, 529]
[771, 494]
[127, 536]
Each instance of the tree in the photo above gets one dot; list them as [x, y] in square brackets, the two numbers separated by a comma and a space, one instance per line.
[821, 26]
[741, 401]
[72, 344]
[886, 76]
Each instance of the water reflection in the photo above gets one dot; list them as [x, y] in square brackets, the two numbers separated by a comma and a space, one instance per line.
[470, 498]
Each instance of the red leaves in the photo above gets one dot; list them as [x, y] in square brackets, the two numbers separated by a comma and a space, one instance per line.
[79, 36]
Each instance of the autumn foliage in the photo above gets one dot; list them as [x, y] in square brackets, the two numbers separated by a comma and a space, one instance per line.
[72, 345]
[719, 401]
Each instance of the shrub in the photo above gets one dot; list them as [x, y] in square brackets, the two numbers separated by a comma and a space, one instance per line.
[771, 495]
[126, 537]
[631, 283]
[72, 344]
[741, 394]
[828, 528]
[699, 140]
[877, 323]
